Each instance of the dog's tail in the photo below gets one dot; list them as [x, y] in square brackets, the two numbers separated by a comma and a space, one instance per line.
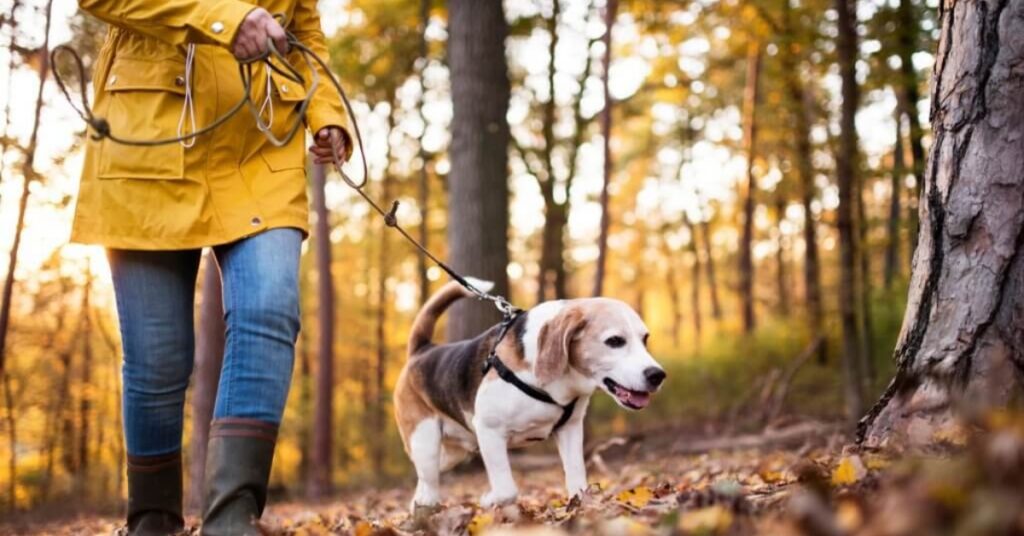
[423, 327]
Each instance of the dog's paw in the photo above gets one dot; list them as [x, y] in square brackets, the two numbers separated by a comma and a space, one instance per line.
[498, 498]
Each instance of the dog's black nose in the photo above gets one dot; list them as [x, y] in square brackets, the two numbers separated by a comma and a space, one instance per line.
[654, 376]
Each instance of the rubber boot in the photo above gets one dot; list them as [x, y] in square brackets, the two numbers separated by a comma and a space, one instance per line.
[238, 459]
[154, 495]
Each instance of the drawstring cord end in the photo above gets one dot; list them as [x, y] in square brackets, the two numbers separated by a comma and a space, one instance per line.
[391, 219]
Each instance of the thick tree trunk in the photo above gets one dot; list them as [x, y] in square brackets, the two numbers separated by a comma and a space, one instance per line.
[478, 182]
[746, 268]
[962, 342]
[611, 11]
[320, 485]
[846, 159]
[28, 175]
[209, 356]
[892, 249]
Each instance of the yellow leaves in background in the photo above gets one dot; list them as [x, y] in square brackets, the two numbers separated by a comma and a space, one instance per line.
[849, 471]
[637, 497]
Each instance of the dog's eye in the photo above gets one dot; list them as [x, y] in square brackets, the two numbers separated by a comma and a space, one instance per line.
[615, 342]
[646, 336]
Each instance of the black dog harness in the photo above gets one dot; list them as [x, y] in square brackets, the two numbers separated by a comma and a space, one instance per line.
[506, 374]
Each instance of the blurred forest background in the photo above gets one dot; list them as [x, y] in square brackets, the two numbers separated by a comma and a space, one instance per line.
[694, 158]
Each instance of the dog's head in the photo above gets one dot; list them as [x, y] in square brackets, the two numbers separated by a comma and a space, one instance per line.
[605, 341]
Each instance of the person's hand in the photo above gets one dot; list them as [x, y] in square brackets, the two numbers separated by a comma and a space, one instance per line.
[251, 37]
[330, 141]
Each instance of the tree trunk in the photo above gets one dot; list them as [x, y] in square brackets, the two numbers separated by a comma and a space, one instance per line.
[892, 249]
[709, 265]
[961, 347]
[478, 182]
[698, 330]
[746, 268]
[867, 365]
[804, 156]
[910, 31]
[423, 193]
[85, 395]
[381, 320]
[209, 356]
[781, 283]
[611, 11]
[847, 211]
[320, 485]
[28, 174]
[12, 444]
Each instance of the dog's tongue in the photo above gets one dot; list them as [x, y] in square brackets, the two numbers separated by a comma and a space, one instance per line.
[633, 398]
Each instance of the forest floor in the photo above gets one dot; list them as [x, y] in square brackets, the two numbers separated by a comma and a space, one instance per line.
[801, 479]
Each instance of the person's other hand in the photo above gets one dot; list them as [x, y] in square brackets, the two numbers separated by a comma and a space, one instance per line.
[251, 37]
[330, 141]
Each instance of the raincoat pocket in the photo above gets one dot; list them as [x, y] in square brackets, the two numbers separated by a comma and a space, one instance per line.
[287, 97]
[145, 100]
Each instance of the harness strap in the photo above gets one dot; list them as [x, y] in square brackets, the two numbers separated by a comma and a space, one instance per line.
[493, 361]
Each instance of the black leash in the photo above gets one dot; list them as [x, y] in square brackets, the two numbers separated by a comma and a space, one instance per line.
[101, 129]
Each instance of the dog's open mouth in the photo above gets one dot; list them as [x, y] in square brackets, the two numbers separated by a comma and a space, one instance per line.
[628, 397]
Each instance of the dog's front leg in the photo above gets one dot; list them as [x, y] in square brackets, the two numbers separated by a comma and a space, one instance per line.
[570, 448]
[494, 450]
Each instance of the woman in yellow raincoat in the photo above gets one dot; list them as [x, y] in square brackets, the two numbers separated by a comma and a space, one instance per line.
[167, 68]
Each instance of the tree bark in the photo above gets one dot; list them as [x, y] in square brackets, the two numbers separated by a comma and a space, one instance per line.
[746, 268]
[423, 192]
[85, 396]
[12, 444]
[909, 37]
[209, 356]
[961, 347]
[478, 182]
[709, 265]
[320, 485]
[611, 11]
[803, 154]
[28, 174]
[781, 283]
[846, 212]
[698, 324]
[892, 249]
[864, 316]
[381, 320]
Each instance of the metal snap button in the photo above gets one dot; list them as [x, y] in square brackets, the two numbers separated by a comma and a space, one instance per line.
[256, 221]
[284, 88]
[112, 81]
[217, 27]
[179, 81]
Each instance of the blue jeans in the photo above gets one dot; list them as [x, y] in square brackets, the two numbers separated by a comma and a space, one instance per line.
[155, 298]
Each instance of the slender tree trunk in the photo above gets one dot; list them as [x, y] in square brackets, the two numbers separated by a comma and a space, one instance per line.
[961, 347]
[383, 273]
[709, 265]
[892, 249]
[672, 286]
[12, 444]
[209, 356]
[12, 23]
[909, 37]
[85, 395]
[28, 174]
[746, 268]
[801, 114]
[478, 182]
[847, 180]
[611, 11]
[320, 485]
[867, 364]
[695, 305]
[781, 283]
[423, 193]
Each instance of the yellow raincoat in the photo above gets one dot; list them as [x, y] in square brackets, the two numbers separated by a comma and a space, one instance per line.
[232, 182]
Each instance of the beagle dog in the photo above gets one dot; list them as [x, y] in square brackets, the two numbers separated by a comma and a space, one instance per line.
[453, 399]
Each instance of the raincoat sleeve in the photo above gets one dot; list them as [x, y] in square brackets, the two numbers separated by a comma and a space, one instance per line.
[326, 108]
[177, 22]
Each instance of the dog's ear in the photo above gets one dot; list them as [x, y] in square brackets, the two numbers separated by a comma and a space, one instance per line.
[555, 344]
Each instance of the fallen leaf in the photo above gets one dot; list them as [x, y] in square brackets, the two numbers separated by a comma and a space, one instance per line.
[713, 519]
[479, 523]
[637, 497]
[849, 470]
